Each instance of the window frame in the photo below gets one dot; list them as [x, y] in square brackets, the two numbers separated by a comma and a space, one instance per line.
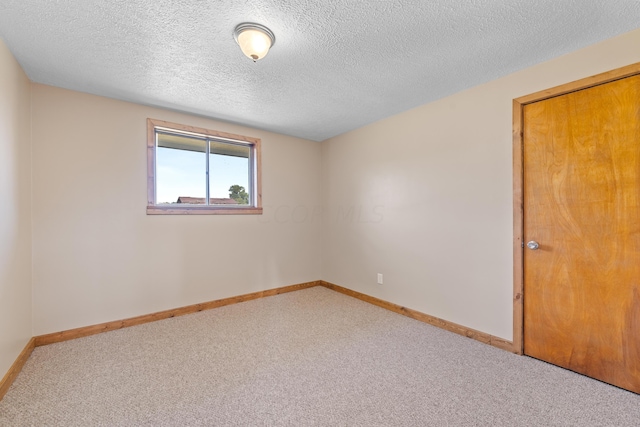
[255, 208]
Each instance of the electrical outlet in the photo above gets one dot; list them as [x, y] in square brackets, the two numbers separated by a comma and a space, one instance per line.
[379, 278]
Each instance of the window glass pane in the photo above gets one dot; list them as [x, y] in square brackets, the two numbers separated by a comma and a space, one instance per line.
[181, 165]
[229, 174]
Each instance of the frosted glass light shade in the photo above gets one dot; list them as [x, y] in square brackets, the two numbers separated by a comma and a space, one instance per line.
[254, 40]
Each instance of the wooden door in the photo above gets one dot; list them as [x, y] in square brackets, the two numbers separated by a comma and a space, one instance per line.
[582, 206]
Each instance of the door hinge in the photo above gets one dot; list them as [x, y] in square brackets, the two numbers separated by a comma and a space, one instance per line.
[522, 244]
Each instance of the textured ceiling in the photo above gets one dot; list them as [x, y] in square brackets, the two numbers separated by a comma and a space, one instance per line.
[337, 64]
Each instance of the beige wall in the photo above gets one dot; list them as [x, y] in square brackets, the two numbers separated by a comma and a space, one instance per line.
[99, 257]
[15, 209]
[425, 197]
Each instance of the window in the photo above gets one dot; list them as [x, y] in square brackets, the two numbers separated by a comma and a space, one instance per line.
[199, 171]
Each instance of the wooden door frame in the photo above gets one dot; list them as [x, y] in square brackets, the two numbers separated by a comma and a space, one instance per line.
[518, 182]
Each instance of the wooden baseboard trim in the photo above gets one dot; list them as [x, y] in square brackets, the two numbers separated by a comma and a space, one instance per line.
[15, 369]
[119, 324]
[70, 334]
[434, 321]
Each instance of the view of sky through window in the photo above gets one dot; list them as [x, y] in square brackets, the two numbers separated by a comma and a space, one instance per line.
[182, 173]
[225, 171]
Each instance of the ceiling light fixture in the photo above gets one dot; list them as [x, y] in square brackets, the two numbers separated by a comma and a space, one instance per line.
[255, 40]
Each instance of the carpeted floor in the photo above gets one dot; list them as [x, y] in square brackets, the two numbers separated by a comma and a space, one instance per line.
[307, 358]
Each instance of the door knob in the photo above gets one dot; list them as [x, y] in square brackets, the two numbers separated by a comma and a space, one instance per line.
[533, 245]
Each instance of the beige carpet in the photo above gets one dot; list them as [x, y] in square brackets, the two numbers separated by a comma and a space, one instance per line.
[312, 357]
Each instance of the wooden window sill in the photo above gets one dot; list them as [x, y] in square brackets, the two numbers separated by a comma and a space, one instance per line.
[202, 210]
